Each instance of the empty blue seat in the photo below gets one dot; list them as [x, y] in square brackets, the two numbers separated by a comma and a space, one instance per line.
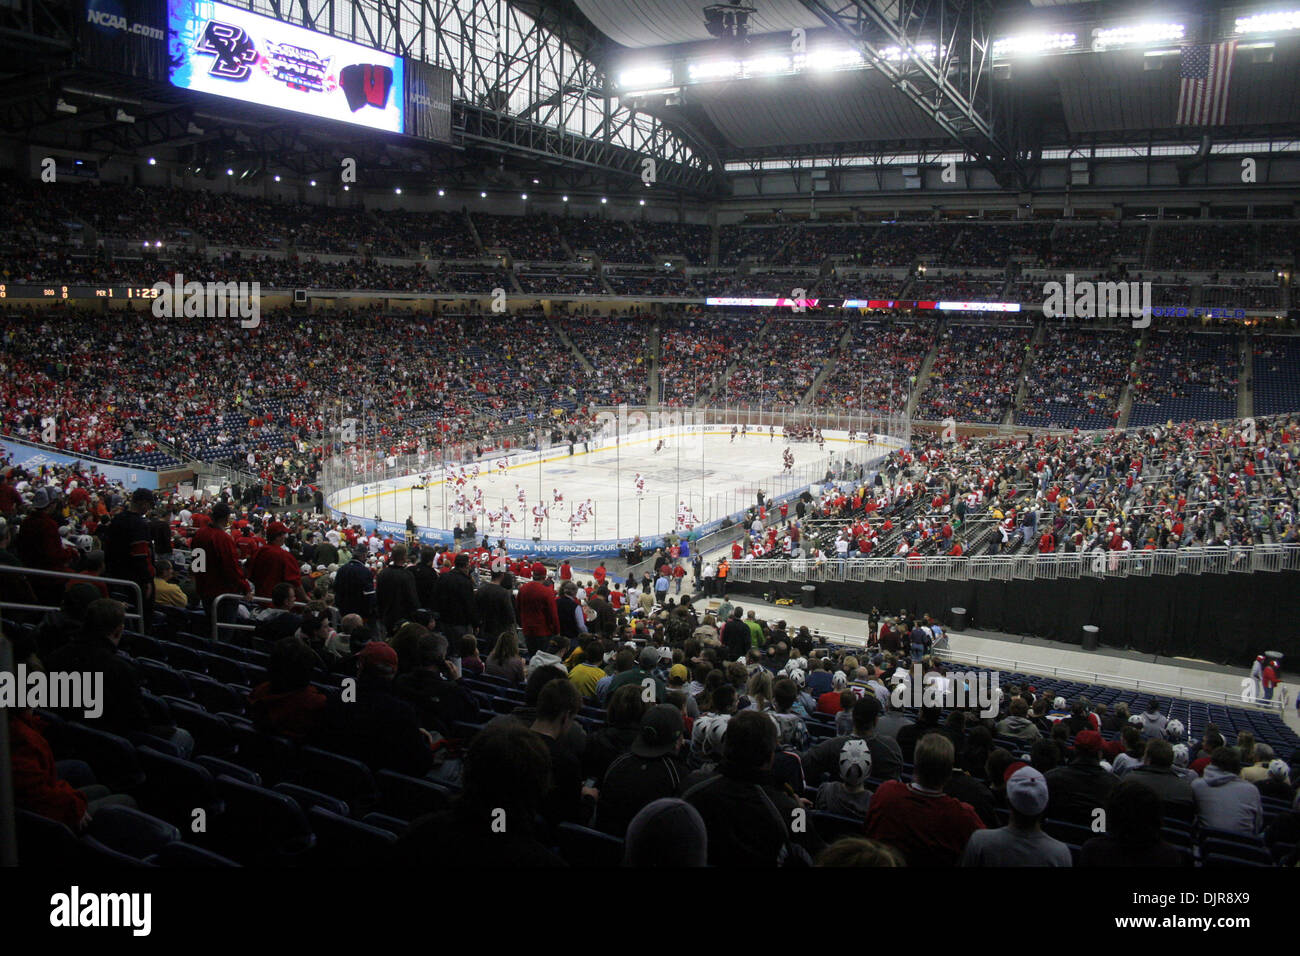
[132, 832]
[344, 842]
[408, 798]
[259, 826]
[343, 777]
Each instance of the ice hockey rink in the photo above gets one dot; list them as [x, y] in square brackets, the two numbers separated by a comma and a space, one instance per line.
[591, 496]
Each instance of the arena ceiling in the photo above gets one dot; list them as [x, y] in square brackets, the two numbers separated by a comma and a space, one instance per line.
[1001, 113]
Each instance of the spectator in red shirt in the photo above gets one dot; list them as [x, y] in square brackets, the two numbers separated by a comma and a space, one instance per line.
[918, 819]
[273, 564]
[39, 545]
[222, 574]
[537, 613]
[830, 702]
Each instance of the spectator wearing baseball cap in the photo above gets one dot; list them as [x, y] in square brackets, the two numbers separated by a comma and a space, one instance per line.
[646, 665]
[274, 563]
[1022, 841]
[886, 757]
[538, 617]
[1081, 786]
[651, 770]
[39, 545]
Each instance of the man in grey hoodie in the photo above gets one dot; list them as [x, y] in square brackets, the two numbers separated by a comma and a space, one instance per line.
[1223, 800]
[1017, 725]
[1153, 722]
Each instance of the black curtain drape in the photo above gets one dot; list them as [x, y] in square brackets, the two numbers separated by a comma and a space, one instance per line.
[1226, 618]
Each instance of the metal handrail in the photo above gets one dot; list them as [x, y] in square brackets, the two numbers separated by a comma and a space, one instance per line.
[216, 620]
[1031, 566]
[72, 576]
[943, 649]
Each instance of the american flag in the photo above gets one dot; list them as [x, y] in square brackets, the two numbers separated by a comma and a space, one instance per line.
[1203, 92]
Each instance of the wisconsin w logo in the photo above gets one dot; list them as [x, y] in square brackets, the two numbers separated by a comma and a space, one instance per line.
[366, 84]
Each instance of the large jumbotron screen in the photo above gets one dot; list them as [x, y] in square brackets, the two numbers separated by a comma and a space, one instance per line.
[224, 50]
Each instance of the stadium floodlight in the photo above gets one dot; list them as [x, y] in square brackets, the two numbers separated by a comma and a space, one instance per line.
[834, 59]
[766, 65]
[603, 200]
[1275, 22]
[646, 78]
[523, 196]
[158, 244]
[313, 182]
[442, 192]
[229, 171]
[1144, 34]
[398, 190]
[643, 202]
[714, 70]
[1029, 44]
[277, 179]
[482, 195]
[923, 50]
[346, 188]
[564, 199]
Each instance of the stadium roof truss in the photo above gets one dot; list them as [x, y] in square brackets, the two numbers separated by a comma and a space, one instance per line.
[953, 86]
[521, 86]
[527, 85]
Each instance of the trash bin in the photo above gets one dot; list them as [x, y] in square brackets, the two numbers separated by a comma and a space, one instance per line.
[959, 619]
[809, 595]
[1091, 637]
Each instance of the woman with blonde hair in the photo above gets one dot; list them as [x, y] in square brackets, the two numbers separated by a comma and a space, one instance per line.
[504, 661]
[759, 690]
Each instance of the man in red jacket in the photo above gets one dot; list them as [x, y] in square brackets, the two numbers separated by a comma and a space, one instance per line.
[40, 546]
[537, 613]
[273, 564]
[222, 573]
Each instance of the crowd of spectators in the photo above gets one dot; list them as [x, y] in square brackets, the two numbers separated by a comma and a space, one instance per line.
[1219, 247]
[622, 704]
[696, 350]
[1185, 375]
[780, 367]
[877, 370]
[1095, 245]
[974, 374]
[527, 238]
[1076, 378]
[736, 243]
[618, 349]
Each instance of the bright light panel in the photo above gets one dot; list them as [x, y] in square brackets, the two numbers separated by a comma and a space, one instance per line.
[645, 77]
[1029, 43]
[1140, 35]
[1269, 22]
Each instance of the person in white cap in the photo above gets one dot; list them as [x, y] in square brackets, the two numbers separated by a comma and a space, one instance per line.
[1022, 841]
